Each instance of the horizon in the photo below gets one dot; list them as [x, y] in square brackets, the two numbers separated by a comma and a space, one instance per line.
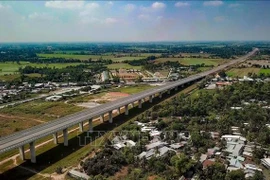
[134, 21]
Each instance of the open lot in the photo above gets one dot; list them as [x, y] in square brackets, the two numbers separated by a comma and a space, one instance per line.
[12, 68]
[32, 113]
[240, 72]
[194, 61]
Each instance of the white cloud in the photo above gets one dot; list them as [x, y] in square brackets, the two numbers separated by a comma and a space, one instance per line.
[234, 5]
[110, 3]
[110, 20]
[65, 4]
[144, 17]
[181, 4]
[129, 7]
[40, 16]
[4, 7]
[213, 3]
[158, 5]
[219, 18]
[91, 5]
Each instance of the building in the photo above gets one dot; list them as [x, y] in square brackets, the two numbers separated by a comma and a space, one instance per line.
[266, 162]
[78, 175]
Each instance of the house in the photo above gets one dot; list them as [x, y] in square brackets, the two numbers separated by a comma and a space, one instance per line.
[203, 158]
[78, 175]
[266, 162]
[208, 162]
[177, 145]
[53, 98]
[234, 149]
[155, 152]
[155, 133]
[157, 144]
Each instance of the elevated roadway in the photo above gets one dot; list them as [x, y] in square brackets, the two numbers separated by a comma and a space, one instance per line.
[29, 136]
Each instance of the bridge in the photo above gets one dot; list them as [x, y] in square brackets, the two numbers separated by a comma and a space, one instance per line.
[29, 136]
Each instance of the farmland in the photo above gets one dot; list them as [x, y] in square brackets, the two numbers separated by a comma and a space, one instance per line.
[194, 61]
[12, 68]
[123, 66]
[264, 71]
[93, 57]
[240, 72]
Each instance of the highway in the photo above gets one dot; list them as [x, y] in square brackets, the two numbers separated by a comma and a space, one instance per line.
[21, 138]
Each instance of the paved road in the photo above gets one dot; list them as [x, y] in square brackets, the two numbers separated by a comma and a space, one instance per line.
[29, 135]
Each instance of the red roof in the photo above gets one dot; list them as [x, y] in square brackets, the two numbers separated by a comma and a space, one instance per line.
[207, 163]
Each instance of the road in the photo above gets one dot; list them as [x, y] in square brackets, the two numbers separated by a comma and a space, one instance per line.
[20, 138]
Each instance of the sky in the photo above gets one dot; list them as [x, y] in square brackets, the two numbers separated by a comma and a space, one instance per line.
[133, 21]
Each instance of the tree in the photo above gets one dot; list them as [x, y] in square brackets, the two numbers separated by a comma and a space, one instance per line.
[235, 175]
[216, 171]
[182, 163]
[257, 176]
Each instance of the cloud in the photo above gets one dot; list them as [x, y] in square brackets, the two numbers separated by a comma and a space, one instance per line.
[213, 3]
[40, 16]
[219, 18]
[129, 7]
[89, 9]
[144, 17]
[181, 4]
[234, 5]
[110, 20]
[109, 4]
[92, 5]
[4, 7]
[65, 4]
[158, 5]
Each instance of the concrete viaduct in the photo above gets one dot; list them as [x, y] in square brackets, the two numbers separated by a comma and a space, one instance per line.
[29, 136]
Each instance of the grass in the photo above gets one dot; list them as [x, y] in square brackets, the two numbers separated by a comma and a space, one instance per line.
[123, 66]
[133, 89]
[12, 68]
[32, 113]
[264, 71]
[71, 156]
[93, 57]
[240, 72]
[194, 61]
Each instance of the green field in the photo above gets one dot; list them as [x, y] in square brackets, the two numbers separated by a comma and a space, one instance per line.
[264, 71]
[194, 61]
[93, 57]
[123, 66]
[240, 72]
[12, 68]
[133, 89]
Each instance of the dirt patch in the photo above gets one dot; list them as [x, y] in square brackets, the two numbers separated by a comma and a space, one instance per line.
[153, 177]
[121, 174]
[110, 96]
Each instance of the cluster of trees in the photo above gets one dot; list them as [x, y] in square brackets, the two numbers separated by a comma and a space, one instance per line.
[79, 73]
[107, 163]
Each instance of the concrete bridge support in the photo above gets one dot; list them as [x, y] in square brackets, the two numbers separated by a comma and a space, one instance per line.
[140, 103]
[119, 110]
[160, 95]
[102, 117]
[110, 117]
[169, 91]
[126, 109]
[151, 99]
[90, 124]
[81, 126]
[21, 150]
[33, 152]
[55, 138]
[176, 88]
[65, 135]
